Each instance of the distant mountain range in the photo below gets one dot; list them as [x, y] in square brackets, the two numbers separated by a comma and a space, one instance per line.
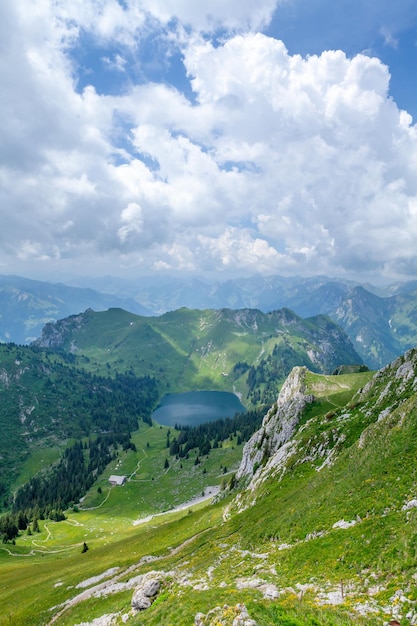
[381, 322]
[27, 305]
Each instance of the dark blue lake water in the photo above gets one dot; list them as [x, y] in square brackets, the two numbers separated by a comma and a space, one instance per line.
[196, 407]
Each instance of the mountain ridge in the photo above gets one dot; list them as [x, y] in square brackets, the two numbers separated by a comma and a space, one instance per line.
[243, 350]
[26, 305]
[380, 321]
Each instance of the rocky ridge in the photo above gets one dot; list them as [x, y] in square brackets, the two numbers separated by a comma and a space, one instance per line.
[55, 334]
[262, 451]
[270, 447]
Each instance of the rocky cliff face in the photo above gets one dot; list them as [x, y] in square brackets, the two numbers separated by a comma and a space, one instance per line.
[377, 405]
[278, 426]
[57, 335]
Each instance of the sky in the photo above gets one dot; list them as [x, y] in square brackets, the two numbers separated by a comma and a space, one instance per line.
[221, 138]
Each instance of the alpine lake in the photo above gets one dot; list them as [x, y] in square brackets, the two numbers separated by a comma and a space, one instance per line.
[196, 407]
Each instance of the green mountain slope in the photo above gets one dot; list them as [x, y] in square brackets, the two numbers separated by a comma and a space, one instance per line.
[45, 403]
[109, 369]
[379, 321]
[182, 543]
[321, 528]
[334, 504]
[191, 349]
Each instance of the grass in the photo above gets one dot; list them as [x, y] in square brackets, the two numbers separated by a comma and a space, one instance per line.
[191, 349]
[37, 460]
[152, 488]
[286, 536]
[296, 612]
[115, 544]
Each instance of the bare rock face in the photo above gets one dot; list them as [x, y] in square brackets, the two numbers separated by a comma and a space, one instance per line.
[146, 592]
[140, 602]
[278, 425]
[55, 334]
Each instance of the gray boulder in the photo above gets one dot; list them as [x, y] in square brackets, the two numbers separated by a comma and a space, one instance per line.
[146, 592]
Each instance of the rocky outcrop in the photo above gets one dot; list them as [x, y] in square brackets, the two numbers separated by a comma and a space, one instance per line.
[57, 335]
[278, 425]
[146, 592]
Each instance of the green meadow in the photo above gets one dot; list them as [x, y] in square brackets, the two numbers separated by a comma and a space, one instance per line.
[324, 539]
[199, 349]
[107, 521]
[132, 529]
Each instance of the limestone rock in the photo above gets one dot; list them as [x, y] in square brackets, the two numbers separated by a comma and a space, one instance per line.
[243, 618]
[278, 425]
[146, 592]
[140, 602]
[151, 587]
[104, 620]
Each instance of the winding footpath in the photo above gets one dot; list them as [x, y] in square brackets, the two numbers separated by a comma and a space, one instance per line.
[42, 549]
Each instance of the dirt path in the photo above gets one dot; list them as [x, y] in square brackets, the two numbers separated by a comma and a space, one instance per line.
[137, 468]
[210, 492]
[93, 508]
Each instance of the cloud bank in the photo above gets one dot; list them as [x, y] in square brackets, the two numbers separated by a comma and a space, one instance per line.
[265, 162]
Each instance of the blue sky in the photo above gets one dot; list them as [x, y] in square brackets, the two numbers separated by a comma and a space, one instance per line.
[219, 139]
[385, 29]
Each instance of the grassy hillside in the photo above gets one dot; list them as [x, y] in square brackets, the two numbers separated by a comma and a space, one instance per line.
[380, 321]
[276, 549]
[323, 534]
[190, 349]
[47, 403]
[112, 521]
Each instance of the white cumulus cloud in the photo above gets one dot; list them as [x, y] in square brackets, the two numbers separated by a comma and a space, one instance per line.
[274, 163]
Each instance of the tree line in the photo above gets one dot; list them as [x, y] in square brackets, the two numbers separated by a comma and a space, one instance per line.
[56, 402]
[211, 434]
[49, 493]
